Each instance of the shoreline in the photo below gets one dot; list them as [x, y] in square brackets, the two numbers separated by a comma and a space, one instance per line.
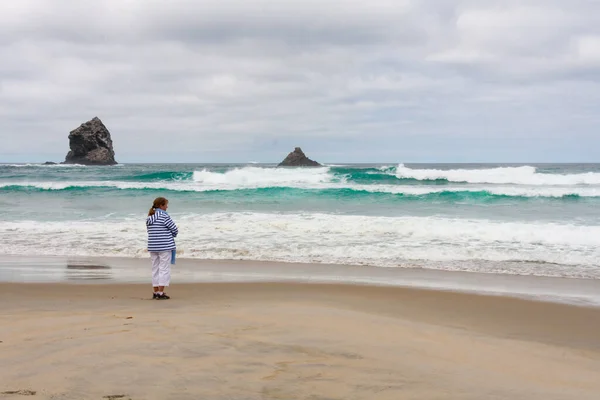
[293, 341]
[121, 270]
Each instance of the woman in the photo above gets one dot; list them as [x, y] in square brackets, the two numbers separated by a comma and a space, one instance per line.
[161, 243]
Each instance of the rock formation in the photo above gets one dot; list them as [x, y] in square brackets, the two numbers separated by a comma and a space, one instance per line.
[297, 158]
[91, 145]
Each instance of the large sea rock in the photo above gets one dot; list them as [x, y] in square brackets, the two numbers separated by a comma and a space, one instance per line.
[297, 158]
[91, 144]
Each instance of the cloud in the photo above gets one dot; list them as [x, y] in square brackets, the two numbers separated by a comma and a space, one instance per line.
[235, 80]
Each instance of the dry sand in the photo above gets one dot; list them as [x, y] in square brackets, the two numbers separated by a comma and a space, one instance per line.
[292, 341]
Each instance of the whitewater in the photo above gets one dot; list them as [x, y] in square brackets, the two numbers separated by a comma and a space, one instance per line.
[509, 219]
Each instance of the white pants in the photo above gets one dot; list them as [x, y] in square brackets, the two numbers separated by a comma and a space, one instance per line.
[161, 268]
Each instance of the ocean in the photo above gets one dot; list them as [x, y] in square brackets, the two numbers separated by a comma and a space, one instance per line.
[541, 220]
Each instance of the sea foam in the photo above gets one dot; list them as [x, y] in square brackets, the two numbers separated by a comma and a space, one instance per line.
[524, 175]
[430, 242]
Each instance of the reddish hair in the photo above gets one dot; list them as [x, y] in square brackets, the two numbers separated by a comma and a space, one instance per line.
[158, 203]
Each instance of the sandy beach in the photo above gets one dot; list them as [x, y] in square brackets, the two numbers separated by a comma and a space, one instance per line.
[292, 341]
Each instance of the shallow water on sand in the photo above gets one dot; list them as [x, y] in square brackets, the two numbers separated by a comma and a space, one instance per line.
[108, 271]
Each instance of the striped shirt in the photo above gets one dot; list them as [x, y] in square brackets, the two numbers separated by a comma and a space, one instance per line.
[161, 231]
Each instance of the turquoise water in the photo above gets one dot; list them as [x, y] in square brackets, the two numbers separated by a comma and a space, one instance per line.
[513, 219]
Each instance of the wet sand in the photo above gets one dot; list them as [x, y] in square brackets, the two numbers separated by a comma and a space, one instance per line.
[118, 270]
[292, 341]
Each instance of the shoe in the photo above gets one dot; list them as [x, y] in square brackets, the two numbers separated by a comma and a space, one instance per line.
[162, 297]
[154, 296]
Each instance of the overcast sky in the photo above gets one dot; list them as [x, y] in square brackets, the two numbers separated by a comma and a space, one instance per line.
[348, 81]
